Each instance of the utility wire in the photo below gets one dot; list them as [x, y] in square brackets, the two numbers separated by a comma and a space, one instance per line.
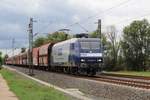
[82, 27]
[120, 22]
[95, 15]
[128, 19]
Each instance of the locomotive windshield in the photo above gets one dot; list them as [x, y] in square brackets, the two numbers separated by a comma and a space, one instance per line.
[89, 46]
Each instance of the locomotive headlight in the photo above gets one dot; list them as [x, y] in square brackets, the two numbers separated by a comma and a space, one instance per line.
[82, 60]
[99, 60]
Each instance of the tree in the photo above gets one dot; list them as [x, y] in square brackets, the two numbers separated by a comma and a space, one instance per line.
[136, 45]
[54, 37]
[57, 37]
[23, 50]
[1, 59]
[113, 47]
[5, 58]
[39, 41]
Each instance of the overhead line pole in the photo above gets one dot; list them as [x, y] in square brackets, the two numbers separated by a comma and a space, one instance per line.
[30, 47]
[99, 29]
[13, 42]
[100, 36]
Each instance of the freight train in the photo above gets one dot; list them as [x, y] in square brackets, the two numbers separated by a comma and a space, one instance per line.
[75, 56]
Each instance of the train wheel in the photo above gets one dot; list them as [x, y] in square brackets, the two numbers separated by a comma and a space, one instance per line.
[91, 72]
[73, 70]
[65, 70]
[77, 71]
[69, 70]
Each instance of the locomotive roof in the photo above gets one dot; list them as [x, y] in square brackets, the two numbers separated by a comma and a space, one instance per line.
[76, 40]
[84, 39]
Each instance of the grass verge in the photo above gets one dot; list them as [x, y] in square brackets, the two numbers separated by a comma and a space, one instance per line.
[147, 73]
[26, 89]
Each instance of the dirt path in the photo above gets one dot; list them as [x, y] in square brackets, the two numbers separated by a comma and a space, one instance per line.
[5, 93]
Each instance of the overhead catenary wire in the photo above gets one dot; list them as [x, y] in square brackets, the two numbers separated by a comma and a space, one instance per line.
[89, 17]
[128, 19]
[95, 15]
[82, 27]
[120, 22]
[78, 23]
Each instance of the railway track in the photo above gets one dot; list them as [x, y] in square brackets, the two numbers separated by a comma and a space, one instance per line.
[138, 82]
[124, 81]
[127, 76]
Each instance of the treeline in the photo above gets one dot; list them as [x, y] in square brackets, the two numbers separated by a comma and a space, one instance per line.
[136, 45]
[1, 60]
[54, 37]
[130, 51]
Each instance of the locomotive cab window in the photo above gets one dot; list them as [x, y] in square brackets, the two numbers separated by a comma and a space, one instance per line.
[90, 45]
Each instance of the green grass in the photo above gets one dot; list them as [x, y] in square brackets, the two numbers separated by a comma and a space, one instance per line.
[146, 73]
[26, 89]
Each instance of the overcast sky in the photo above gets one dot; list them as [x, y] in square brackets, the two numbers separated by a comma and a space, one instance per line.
[52, 15]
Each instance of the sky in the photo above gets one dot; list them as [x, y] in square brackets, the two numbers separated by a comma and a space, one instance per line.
[52, 15]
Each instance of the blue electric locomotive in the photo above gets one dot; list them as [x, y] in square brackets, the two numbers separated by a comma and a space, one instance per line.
[77, 55]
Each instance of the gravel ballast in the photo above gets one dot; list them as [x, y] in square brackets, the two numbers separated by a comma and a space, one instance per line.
[94, 89]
